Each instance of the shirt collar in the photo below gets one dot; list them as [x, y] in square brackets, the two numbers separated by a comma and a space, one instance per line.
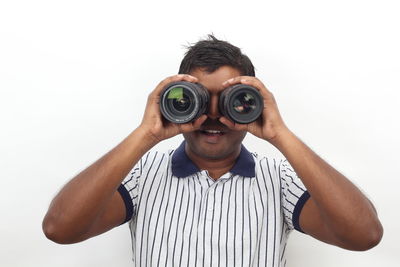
[182, 165]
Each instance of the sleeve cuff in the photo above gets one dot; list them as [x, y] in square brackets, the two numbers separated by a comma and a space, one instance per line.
[297, 210]
[128, 202]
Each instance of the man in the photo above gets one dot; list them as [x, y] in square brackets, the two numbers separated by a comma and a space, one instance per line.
[210, 202]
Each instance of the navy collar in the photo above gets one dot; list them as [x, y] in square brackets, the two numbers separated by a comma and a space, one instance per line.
[182, 165]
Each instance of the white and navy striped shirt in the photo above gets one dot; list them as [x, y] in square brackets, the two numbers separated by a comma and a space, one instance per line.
[180, 216]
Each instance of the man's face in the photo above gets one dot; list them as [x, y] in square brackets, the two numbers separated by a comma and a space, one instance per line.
[214, 140]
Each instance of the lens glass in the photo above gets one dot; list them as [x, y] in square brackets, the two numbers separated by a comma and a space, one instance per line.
[179, 101]
[181, 104]
[244, 103]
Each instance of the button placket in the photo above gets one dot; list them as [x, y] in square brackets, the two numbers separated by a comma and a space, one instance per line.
[205, 201]
[210, 202]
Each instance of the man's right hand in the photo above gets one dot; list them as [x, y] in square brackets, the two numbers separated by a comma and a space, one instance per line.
[153, 123]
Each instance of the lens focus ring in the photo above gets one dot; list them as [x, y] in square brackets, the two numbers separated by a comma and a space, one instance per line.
[182, 102]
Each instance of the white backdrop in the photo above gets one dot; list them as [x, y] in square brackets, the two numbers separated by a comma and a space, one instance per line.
[75, 75]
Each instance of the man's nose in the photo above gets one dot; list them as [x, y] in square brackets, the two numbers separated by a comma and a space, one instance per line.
[213, 110]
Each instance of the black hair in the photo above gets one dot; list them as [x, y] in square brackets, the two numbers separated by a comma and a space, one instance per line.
[210, 54]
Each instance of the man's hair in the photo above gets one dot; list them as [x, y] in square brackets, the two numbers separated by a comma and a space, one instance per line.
[210, 54]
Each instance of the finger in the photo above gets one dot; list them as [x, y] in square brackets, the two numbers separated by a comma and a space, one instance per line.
[256, 83]
[234, 80]
[193, 126]
[185, 128]
[198, 122]
[253, 81]
[174, 78]
[249, 80]
[228, 123]
[232, 125]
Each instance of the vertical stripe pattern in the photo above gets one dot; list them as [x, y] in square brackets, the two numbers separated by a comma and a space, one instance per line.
[197, 221]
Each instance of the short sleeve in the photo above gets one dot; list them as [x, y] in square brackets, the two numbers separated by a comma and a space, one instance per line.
[294, 195]
[129, 188]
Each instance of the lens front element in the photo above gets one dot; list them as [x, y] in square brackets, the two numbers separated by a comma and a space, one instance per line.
[241, 103]
[244, 103]
[179, 100]
[182, 101]
[181, 104]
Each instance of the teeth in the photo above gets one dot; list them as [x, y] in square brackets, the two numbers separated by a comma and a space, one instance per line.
[213, 131]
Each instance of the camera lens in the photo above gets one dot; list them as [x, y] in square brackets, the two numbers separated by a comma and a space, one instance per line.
[182, 101]
[244, 103]
[241, 103]
[181, 104]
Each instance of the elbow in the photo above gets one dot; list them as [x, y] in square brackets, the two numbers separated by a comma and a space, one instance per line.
[52, 232]
[373, 238]
[370, 238]
[55, 231]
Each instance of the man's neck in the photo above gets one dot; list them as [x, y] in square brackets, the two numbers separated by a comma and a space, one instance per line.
[215, 167]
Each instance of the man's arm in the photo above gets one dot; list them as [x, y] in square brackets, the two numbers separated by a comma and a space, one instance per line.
[90, 204]
[337, 212]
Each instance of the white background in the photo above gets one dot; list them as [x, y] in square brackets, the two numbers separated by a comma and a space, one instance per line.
[75, 75]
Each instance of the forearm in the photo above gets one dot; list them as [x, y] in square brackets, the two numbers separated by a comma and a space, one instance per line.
[89, 204]
[79, 203]
[337, 212]
[341, 205]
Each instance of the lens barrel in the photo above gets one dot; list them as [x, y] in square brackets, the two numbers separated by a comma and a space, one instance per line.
[241, 103]
[182, 102]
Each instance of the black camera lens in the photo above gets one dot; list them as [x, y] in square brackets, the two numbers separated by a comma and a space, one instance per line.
[181, 104]
[241, 103]
[182, 101]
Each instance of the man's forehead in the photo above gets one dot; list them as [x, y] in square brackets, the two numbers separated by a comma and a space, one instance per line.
[213, 81]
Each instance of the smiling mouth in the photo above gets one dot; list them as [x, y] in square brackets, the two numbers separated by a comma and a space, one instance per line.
[212, 132]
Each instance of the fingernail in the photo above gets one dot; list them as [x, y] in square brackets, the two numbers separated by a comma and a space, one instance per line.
[228, 81]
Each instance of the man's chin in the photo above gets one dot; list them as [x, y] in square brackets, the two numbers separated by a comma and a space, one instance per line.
[212, 147]
[211, 152]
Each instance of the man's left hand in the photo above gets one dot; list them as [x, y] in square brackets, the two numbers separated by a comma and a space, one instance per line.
[269, 126]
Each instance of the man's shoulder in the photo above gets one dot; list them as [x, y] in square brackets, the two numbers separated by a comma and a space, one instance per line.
[268, 162]
[264, 157]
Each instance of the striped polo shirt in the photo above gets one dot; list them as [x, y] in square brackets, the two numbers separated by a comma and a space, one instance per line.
[180, 216]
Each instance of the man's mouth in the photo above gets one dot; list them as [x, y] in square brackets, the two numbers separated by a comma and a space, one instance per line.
[212, 132]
